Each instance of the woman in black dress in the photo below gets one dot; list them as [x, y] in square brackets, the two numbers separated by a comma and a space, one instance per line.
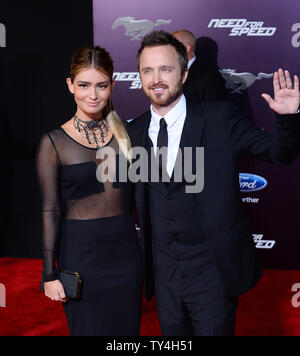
[87, 222]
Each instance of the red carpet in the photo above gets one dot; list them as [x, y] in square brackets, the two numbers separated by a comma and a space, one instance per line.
[265, 311]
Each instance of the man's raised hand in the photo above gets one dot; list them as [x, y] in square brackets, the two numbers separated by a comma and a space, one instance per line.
[286, 96]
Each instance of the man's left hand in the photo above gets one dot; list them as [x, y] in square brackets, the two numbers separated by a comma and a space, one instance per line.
[286, 95]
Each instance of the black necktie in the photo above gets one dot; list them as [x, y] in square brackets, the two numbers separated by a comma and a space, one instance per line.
[162, 138]
[162, 141]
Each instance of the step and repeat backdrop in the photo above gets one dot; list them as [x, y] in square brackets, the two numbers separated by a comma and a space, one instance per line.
[254, 39]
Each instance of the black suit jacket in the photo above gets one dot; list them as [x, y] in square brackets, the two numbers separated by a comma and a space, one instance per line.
[226, 136]
[204, 83]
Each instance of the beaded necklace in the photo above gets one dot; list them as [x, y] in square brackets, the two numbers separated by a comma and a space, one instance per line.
[91, 130]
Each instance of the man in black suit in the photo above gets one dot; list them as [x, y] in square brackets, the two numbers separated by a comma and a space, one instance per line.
[204, 81]
[199, 252]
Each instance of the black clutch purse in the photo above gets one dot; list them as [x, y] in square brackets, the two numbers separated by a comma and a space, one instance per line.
[72, 283]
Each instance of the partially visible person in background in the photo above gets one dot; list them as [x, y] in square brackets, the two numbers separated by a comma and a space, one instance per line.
[204, 81]
[207, 55]
[88, 227]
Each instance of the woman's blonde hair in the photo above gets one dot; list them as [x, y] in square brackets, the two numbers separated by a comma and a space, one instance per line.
[100, 59]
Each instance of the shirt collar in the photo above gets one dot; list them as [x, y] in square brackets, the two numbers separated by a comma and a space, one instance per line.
[191, 61]
[172, 116]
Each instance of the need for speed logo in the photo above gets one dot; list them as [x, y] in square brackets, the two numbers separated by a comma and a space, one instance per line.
[133, 77]
[240, 27]
[263, 244]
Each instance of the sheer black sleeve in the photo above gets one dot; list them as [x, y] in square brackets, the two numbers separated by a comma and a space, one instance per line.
[47, 170]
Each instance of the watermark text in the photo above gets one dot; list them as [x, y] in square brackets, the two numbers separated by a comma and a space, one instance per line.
[2, 35]
[296, 36]
[2, 296]
[152, 167]
[296, 297]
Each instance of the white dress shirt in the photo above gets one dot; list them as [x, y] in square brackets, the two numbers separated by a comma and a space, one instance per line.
[175, 119]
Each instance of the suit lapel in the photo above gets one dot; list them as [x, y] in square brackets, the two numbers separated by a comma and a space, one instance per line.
[141, 131]
[193, 127]
[139, 139]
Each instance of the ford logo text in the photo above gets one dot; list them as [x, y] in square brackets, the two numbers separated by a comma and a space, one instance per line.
[252, 182]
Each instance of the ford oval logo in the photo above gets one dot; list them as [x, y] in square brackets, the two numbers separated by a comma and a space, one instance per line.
[252, 182]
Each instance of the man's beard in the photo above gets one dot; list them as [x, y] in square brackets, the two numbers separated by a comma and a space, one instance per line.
[161, 101]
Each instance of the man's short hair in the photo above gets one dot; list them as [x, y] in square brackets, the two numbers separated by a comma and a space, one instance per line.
[163, 38]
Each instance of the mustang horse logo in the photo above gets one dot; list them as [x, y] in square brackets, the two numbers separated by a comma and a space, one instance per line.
[137, 29]
[237, 82]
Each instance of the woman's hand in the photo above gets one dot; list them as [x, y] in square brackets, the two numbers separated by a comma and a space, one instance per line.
[55, 291]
